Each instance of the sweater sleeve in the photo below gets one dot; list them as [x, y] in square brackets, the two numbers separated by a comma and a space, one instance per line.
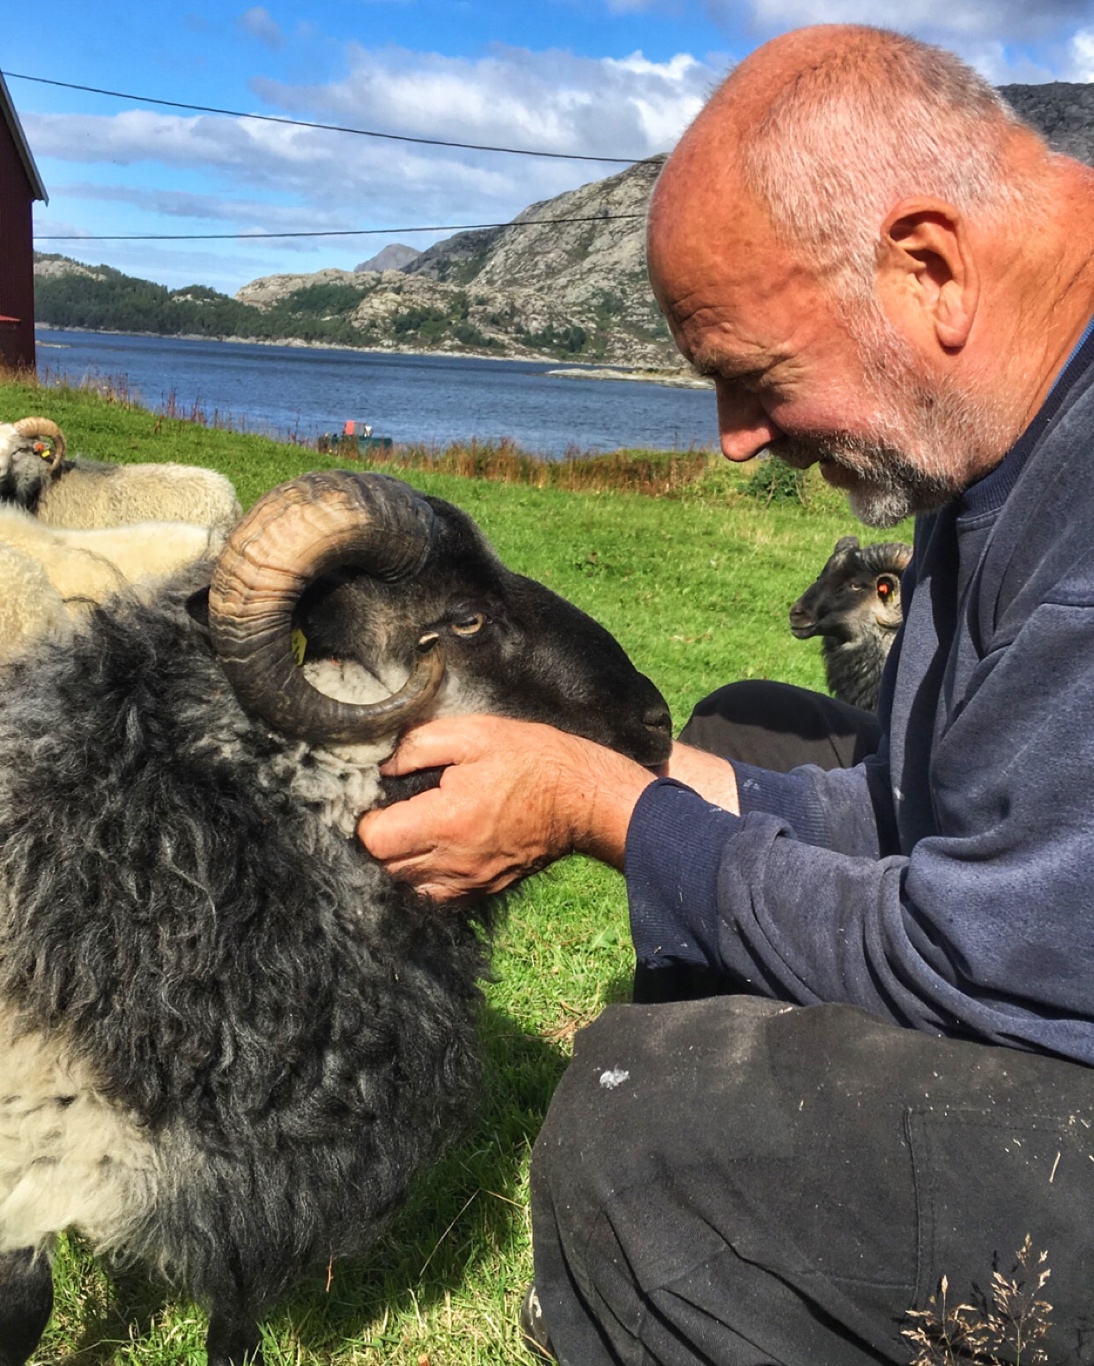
[982, 928]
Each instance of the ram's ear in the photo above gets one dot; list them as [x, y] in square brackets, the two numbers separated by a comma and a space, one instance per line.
[197, 604]
[888, 588]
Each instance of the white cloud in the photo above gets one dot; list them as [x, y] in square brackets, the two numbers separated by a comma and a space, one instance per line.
[1082, 56]
[552, 101]
[1005, 40]
[205, 172]
[246, 215]
[260, 24]
[253, 174]
[960, 19]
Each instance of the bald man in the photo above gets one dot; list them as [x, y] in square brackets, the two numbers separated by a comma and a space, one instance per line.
[884, 273]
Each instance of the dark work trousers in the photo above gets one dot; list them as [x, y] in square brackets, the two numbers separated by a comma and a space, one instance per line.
[740, 1182]
[734, 1181]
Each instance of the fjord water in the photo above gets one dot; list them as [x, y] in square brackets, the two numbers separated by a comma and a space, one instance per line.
[300, 392]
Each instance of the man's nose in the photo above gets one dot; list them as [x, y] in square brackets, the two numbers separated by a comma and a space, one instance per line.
[743, 424]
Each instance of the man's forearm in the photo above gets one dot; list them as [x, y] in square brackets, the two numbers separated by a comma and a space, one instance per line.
[709, 775]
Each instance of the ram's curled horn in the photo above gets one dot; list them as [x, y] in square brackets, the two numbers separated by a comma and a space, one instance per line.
[298, 531]
[43, 426]
[901, 553]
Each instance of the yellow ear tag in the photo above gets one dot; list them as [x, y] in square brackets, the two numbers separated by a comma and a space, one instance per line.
[43, 450]
[299, 645]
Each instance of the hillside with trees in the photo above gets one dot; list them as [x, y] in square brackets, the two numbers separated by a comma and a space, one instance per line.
[101, 299]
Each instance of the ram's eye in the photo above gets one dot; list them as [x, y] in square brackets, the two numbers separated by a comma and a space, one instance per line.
[468, 626]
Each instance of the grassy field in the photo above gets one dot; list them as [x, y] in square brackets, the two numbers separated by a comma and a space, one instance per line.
[695, 583]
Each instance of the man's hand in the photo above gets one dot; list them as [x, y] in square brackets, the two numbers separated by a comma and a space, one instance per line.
[514, 796]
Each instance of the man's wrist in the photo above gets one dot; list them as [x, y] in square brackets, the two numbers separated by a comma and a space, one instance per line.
[710, 775]
[607, 788]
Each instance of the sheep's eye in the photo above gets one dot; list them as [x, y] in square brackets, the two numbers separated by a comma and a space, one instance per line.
[469, 626]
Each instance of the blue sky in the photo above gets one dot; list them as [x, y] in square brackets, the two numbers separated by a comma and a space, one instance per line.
[618, 78]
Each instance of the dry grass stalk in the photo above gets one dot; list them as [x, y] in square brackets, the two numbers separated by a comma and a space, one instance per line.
[1006, 1328]
[503, 461]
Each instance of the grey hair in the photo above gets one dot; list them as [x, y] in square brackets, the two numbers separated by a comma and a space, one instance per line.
[886, 118]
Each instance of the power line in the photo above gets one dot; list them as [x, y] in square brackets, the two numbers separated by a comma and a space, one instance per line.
[327, 127]
[333, 232]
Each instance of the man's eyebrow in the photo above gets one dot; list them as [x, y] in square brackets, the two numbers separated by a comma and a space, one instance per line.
[710, 368]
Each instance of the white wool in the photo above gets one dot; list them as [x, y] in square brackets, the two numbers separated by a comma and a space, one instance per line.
[68, 1158]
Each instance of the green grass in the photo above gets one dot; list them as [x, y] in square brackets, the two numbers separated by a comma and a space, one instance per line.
[696, 587]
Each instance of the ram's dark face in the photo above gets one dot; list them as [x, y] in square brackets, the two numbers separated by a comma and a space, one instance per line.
[512, 647]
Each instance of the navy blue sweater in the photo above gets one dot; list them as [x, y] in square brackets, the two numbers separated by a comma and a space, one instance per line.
[948, 882]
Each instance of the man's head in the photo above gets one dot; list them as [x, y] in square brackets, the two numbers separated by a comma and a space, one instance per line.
[819, 243]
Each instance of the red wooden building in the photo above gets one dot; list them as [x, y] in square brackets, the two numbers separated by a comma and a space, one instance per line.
[20, 186]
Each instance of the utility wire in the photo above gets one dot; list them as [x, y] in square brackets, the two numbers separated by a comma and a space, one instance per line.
[328, 127]
[333, 232]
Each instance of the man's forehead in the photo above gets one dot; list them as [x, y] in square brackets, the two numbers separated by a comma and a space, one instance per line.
[701, 171]
[700, 261]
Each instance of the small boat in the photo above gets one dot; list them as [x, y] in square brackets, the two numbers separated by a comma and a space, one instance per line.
[354, 434]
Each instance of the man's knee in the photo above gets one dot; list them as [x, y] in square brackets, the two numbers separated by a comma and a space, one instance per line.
[677, 1176]
[779, 726]
[849, 1159]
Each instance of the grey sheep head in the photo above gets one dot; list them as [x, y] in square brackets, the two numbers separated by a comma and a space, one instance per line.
[31, 452]
[856, 593]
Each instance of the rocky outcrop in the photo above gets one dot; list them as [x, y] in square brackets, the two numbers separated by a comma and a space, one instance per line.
[53, 267]
[273, 289]
[395, 256]
[566, 279]
[1062, 112]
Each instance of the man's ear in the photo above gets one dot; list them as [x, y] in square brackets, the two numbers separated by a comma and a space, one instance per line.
[927, 277]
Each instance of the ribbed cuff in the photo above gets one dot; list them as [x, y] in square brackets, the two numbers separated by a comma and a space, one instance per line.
[783, 795]
[674, 850]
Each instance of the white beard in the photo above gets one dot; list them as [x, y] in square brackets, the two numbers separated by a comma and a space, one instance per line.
[927, 440]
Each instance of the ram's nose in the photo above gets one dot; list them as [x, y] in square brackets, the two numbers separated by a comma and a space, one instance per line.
[657, 719]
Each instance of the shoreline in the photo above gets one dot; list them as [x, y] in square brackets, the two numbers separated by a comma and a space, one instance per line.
[681, 379]
[671, 378]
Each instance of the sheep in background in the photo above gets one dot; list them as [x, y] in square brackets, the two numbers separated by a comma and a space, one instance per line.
[228, 1038]
[52, 576]
[30, 606]
[36, 475]
[855, 605]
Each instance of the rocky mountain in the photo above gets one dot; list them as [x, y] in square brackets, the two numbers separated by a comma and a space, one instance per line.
[1062, 112]
[576, 288]
[565, 279]
[395, 256]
